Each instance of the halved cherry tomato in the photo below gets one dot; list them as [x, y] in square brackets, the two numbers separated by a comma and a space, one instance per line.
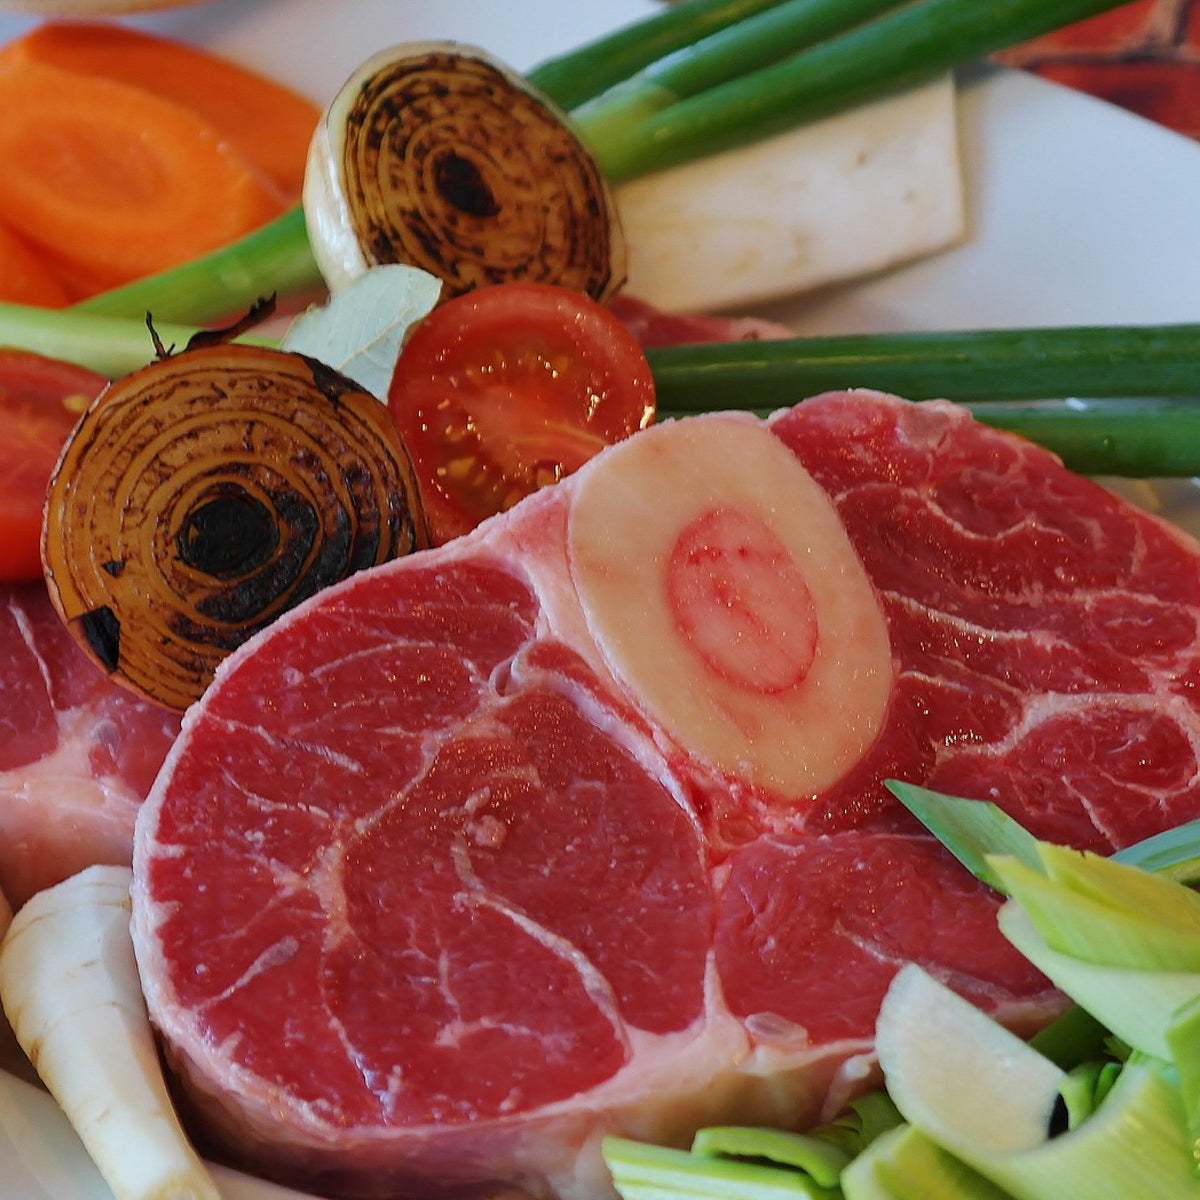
[508, 388]
[40, 401]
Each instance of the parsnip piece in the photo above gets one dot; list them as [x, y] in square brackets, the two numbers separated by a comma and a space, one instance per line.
[42, 1156]
[719, 583]
[850, 195]
[70, 988]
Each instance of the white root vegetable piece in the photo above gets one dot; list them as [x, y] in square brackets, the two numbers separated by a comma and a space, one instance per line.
[986, 1097]
[719, 582]
[70, 988]
[847, 196]
[42, 1156]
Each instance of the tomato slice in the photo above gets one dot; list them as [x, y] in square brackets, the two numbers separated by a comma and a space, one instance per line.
[40, 401]
[508, 388]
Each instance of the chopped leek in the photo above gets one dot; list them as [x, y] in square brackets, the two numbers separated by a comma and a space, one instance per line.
[1136, 1004]
[925, 1034]
[731, 1161]
[970, 829]
[818, 1158]
[1183, 1038]
[1072, 1112]
[1072, 1038]
[1084, 1088]
[974, 829]
[646, 1172]
[1119, 928]
[1174, 853]
[995, 1116]
[906, 1165]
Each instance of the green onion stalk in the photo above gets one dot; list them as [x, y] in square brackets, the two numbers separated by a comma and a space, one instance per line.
[1109, 400]
[1118, 400]
[696, 79]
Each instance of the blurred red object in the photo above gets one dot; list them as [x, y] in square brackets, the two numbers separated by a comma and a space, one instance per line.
[1143, 56]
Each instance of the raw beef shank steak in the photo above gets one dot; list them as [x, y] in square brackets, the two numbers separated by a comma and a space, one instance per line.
[577, 825]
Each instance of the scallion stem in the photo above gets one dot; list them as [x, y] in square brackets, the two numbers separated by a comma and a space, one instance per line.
[1153, 436]
[1135, 438]
[111, 346]
[901, 49]
[999, 364]
[273, 260]
[728, 54]
[586, 71]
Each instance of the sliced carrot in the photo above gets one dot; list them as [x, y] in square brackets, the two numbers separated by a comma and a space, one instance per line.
[270, 124]
[116, 182]
[25, 275]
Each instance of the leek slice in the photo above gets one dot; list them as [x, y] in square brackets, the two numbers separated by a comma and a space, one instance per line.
[646, 1172]
[973, 829]
[1117, 928]
[1130, 888]
[818, 1158]
[904, 1164]
[728, 1161]
[995, 1115]
[926, 1035]
[1085, 1087]
[1183, 1038]
[970, 829]
[1174, 853]
[1071, 1038]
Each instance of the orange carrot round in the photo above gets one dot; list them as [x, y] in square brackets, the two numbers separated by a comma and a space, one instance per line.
[25, 276]
[270, 125]
[117, 182]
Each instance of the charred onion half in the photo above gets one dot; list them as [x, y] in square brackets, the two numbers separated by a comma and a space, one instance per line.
[438, 156]
[207, 493]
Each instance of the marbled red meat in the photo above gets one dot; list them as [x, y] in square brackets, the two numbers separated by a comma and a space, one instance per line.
[652, 327]
[428, 896]
[77, 753]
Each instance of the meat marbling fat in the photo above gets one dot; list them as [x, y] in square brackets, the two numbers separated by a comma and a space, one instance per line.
[577, 825]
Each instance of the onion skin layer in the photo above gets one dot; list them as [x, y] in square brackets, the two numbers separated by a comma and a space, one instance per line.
[207, 493]
[438, 156]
